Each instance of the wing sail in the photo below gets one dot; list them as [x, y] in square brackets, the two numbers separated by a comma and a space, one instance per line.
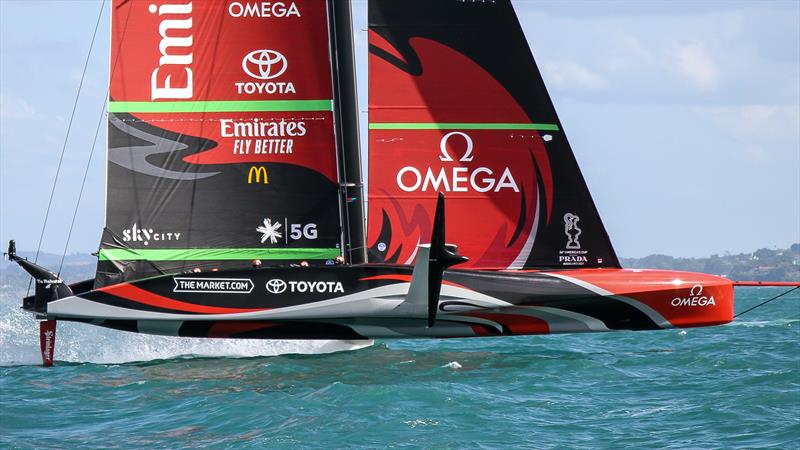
[457, 105]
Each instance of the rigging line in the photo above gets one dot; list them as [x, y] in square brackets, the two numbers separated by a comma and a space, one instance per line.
[765, 302]
[83, 184]
[66, 138]
[94, 141]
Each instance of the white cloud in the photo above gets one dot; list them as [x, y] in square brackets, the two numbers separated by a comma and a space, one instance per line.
[694, 63]
[755, 153]
[684, 52]
[761, 134]
[568, 74]
[754, 121]
[15, 107]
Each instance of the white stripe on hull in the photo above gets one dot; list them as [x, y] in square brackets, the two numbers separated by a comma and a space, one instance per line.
[380, 301]
[654, 315]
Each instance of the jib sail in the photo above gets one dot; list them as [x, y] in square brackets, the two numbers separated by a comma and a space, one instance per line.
[221, 144]
[457, 105]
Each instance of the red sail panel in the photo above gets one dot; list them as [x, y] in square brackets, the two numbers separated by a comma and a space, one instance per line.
[158, 47]
[221, 136]
[488, 175]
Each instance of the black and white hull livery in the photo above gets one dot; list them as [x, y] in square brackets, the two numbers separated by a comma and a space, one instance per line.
[382, 301]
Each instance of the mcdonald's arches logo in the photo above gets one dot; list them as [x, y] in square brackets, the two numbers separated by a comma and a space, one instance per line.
[257, 174]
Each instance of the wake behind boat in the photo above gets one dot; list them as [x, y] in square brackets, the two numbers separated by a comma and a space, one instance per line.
[234, 187]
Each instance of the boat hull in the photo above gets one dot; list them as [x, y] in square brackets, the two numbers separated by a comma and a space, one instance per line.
[371, 301]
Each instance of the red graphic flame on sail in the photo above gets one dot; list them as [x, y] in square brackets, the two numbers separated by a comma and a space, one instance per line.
[440, 122]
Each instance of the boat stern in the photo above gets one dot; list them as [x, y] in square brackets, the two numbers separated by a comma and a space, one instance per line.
[673, 299]
[691, 300]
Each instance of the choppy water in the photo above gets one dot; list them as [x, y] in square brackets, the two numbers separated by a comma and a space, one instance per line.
[731, 386]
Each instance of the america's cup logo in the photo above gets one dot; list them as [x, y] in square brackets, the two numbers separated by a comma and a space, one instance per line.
[264, 64]
[572, 231]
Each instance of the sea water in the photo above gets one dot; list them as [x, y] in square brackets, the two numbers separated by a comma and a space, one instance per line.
[736, 385]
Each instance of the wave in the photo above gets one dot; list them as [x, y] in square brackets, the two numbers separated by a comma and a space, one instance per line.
[764, 323]
[82, 343]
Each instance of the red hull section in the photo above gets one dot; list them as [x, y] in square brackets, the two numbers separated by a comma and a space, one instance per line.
[685, 299]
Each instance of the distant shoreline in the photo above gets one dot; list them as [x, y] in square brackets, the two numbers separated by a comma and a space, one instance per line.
[761, 265]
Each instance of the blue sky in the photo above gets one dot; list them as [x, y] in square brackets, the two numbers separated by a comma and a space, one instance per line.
[684, 117]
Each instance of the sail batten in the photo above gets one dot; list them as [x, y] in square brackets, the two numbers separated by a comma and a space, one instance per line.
[221, 106]
[217, 254]
[462, 126]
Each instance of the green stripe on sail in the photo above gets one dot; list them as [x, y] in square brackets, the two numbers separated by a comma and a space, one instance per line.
[462, 126]
[215, 254]
[220, 106]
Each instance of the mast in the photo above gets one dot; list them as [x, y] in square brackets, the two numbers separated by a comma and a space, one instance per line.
[347, 130]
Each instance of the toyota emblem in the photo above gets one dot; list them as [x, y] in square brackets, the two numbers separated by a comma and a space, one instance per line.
[264, 64]
[276, 286]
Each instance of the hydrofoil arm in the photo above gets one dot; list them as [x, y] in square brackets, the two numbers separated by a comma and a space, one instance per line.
[432, 260]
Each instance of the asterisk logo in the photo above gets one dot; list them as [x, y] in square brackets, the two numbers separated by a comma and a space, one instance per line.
[270, 231]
